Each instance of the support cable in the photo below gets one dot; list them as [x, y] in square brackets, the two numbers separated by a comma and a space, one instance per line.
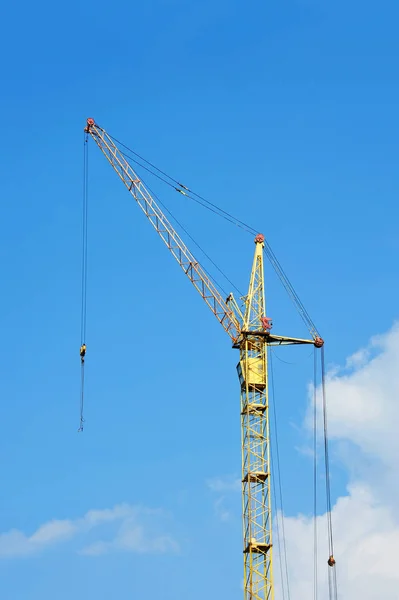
[188, 193]
[290, 290]
[279, 478]
[185, 190]
[196, 244]
[83, 315]
[178, 223]
[199, 200]
[286, 362]
[315, 574]
[332, 574]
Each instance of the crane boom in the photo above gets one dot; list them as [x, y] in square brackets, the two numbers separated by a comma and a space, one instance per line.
[226, 316]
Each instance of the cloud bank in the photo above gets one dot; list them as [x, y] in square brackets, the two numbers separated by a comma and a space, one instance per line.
[127, 528]
[363, 411]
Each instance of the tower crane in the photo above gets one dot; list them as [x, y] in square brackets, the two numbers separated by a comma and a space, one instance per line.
[250, 331]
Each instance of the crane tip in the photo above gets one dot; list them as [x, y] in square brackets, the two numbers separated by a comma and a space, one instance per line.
[89, 123]
[260, 238]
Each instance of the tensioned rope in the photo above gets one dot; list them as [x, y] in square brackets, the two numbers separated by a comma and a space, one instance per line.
[83, 314]
[332, 573]
[280, 489]
[192, 195]
[315, 574]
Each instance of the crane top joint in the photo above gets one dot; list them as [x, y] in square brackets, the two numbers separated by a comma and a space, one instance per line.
[260, 238]
[89, 123]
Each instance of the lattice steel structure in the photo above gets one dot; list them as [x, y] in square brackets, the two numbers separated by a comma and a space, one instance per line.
[252, 371]
[250, 332]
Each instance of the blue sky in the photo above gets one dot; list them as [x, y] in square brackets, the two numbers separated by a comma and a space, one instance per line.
[284, 115]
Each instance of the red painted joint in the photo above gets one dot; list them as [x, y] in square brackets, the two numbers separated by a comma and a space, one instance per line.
[266, 323]
[260, 238]
[89, 123]
[318, 342]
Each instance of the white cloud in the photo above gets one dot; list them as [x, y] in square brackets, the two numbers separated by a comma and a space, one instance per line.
[363, 405]
[135, 529]
[363, 410]
[221, 511]
[16, 543]
[53, 531]
[223, 486]
[134, 536]
[224, 483]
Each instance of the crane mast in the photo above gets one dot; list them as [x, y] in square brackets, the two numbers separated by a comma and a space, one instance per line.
[255, 446]
[250, 332]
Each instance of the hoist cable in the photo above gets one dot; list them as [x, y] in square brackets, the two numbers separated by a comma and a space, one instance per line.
[84, 241]
[315, 574]
[279, 543]
[82, 388]
[335, 582]
[279, 477]
[274, 488]
[83, 316]
[332, 575]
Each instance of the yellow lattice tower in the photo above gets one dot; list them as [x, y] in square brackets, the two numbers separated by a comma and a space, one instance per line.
[252, 370]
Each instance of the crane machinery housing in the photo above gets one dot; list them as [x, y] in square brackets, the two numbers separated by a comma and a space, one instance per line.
[250, 331]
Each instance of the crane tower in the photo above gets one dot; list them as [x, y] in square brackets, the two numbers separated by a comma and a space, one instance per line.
[250, 331]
